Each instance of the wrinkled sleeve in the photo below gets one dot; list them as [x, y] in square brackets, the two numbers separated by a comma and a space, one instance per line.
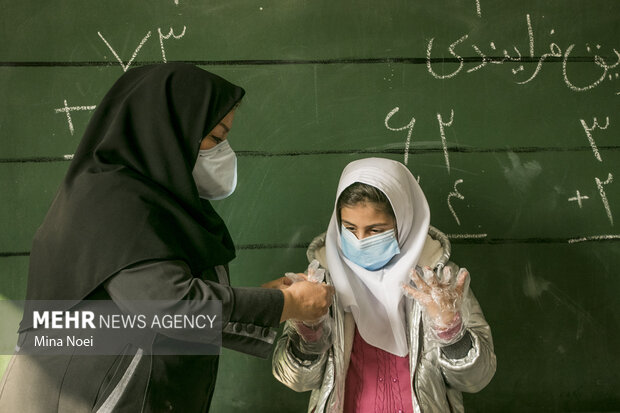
[470, 364]
[296, 370]
[250, 316]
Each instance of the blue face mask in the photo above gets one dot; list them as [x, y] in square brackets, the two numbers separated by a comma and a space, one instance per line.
[372, 252]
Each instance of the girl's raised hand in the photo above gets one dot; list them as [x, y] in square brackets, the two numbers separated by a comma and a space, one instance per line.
[440, 295]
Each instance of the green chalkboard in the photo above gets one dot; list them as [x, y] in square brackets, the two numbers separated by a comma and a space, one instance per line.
[508, 112]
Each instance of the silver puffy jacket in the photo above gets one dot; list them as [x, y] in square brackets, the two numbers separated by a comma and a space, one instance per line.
[436, 380]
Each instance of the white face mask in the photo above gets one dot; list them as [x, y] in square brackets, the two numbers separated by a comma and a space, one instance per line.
[215, 172]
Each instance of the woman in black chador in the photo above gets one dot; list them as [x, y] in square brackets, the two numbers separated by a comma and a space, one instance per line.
[132, 221]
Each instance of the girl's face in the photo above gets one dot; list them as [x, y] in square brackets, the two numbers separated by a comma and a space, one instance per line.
[365, 219]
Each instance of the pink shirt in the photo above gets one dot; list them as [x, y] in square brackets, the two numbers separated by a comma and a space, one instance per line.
[377, 381]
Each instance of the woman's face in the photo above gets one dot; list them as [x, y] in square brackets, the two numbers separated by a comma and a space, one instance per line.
[219, 133]
[365, 219]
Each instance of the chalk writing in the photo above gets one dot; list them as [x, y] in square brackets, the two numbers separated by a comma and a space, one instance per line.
[456, 194]
[443, 136]
[594, 238]
[599, 61]
[589, 129]
[68, 109]
[555, 52]
[478, 8]
[600, 185]
[133, 56]
[466, 236]
[409, 128]
[578, 198]
[530, 35]
[166, 37]
[162, 37]
[451, 50]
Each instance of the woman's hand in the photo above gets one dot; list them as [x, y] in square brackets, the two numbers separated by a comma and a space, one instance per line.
[441, 298]
[306, 301]
[303, 300]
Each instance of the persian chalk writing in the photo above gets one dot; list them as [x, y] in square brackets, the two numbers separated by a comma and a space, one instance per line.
[600, 184]
[455, 194]
[125, 67]
[603, 68]
[162, 37]
[589, 129]
[409, 128]
[601, 189]
[442, 131]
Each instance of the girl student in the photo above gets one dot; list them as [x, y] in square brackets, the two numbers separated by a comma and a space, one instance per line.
[405, 333]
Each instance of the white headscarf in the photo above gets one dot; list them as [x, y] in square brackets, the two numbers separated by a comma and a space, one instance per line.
[374, 297]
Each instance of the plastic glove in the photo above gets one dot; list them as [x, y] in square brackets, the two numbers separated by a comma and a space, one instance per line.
[314, 337]
[441, 296]
[314, 273]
